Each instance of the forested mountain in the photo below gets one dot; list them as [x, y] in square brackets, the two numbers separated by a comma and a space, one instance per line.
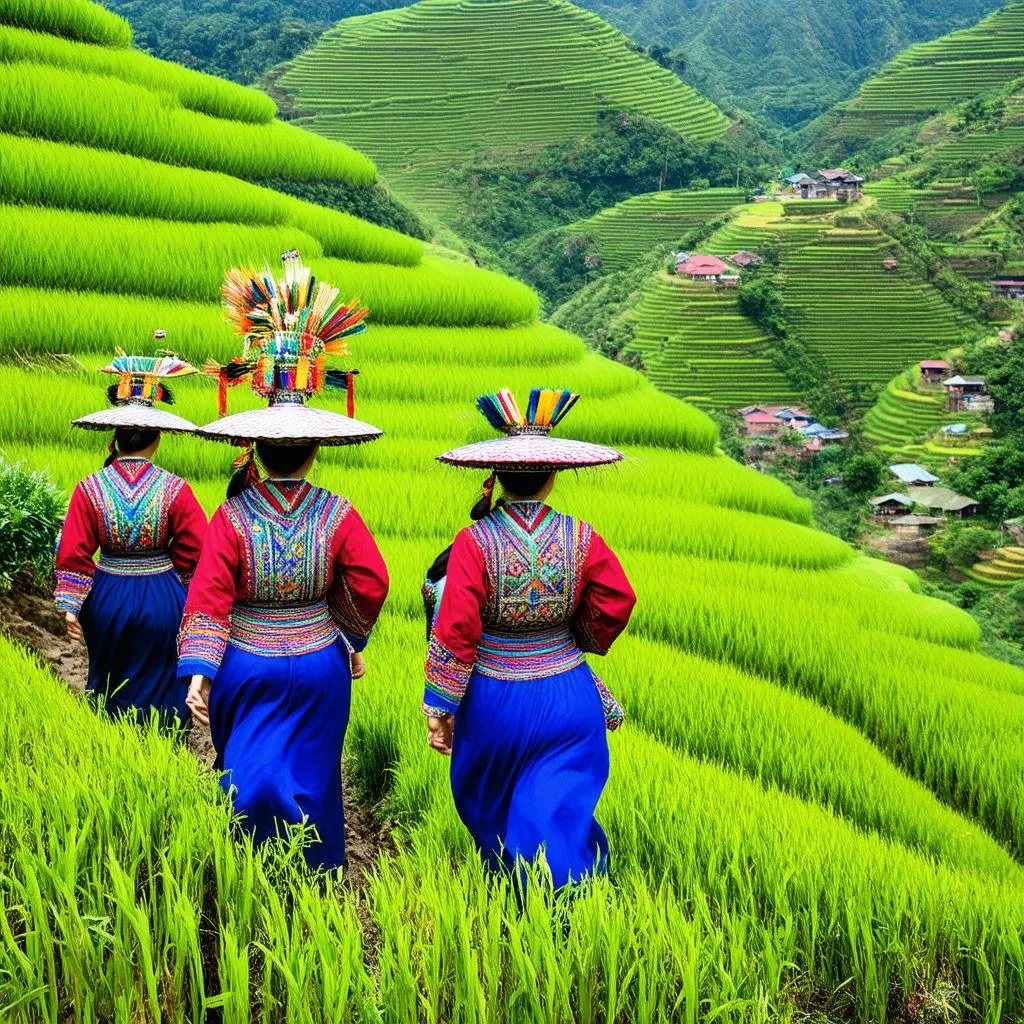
[788, 63]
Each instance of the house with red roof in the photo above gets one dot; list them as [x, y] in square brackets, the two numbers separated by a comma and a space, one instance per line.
[701, 267]
[933, 370]
[743, 258]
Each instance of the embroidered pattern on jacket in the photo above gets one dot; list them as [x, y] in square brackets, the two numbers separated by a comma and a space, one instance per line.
[71, 591]
[132, 514]
[447, 677]
[533, 578]
[202, 639]
[287, 555]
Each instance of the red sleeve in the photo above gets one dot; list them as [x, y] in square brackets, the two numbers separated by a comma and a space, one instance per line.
[211, 595]
[456, 633]
[606, 600]
[360, 582]
[79, 541]
[188, 526]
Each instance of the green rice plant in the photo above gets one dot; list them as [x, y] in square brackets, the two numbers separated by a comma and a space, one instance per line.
[74, 19]
[37, 172]
[714, 712]
[31, 510]
[45, 247]
[194, 90]
[60, 104]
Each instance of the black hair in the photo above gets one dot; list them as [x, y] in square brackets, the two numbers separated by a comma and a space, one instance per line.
[276, 458]
[130, 439]
[520, 484]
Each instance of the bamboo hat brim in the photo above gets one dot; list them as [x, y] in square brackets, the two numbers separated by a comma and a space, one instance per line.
[136, 417]
[531, 453]
[290, 424]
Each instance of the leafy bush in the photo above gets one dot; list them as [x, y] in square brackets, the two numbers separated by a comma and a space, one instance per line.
[31, 510]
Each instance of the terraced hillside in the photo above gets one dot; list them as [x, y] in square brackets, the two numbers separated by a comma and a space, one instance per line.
[866, 322]
[792, 706]
[927, 78]
[635, 228]
[418, 89]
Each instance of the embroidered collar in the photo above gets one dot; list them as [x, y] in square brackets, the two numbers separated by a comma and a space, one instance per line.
[284, 496]
[131, 468]
[527, 514]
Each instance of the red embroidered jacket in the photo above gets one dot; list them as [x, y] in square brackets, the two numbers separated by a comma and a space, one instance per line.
[528, 592]
[131, 508]
[285, 566]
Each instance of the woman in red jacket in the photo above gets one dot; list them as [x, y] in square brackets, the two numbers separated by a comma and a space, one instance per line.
[290, 581]
[509, 695]
[148, 528]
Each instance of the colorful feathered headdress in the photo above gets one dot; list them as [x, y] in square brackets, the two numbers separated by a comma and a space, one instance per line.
[547, 408]
[289, 325]
[140, 377]
[528, 446]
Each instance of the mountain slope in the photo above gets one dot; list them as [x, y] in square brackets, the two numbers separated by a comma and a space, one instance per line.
[925, 79]
[819, 790]
[451, 76]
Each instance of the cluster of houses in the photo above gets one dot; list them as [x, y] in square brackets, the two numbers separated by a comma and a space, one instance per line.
[769, 421]
[834, 183]
[963, 394]
[918, 490]
[1008, 288]
[698, 266]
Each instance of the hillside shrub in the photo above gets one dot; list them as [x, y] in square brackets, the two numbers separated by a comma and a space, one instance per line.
[959, 546]
[31, 512]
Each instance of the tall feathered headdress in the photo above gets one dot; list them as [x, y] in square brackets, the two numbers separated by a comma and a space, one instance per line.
[289, 325]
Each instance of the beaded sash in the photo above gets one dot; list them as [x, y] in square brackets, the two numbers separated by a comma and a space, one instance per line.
[149, 564]
[521, 656]
[283, 629]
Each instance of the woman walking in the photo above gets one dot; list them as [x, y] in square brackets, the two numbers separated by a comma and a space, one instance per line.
[148, 528]
[290, 582]
[509, 695]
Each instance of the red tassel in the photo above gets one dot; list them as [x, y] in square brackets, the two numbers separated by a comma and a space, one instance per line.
[488, 488]
[222, 391]
[350, 388]
[248, 460]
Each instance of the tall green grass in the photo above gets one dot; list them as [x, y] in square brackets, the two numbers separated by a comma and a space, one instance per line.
[74, 19]
[53, 248]
[37, 172]
[61, 104]
[194, 90]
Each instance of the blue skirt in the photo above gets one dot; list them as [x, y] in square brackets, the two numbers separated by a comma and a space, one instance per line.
[131, 630]
[529, 762]
[278, 725]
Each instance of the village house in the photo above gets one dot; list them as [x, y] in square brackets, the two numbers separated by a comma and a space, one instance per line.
[833, 183]
[915, 525]
[942, 499]
[890, 263]
[966, 393]
[729, 280]
[744, 258]
[933, 370]
[913, 475]
[894, 504]
[762, 424]
[1008, 288]
[700, 267]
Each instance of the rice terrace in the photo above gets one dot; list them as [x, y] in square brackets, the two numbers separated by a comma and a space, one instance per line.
[806, 342]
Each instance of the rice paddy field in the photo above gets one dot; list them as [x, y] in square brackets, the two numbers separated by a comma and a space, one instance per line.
[928, 77]
[867, 323]
[815, 809]
[452, 76]
[635, 228]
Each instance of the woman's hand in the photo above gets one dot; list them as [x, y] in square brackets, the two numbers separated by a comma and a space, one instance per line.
[74, 627]
[198, 699]
[439, 734]
[358, 663]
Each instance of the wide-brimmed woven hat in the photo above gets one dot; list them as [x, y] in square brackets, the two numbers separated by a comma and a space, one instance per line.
[289, 326]
[140, 384]
[527, 445]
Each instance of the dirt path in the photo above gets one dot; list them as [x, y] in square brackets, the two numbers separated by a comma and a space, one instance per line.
[28, 616]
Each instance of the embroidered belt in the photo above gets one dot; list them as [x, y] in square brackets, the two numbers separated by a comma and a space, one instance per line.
[283, 630]
[148, 564]
[522, 656]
